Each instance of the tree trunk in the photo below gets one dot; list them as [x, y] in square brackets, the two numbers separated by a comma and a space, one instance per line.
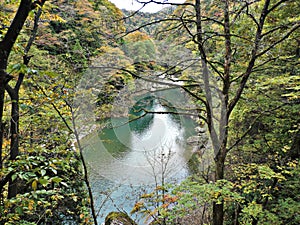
[85, 169]
[6, 45]
[14, 128]
[14, 140]
[218, 208]
[218, 213]
[14, 95]
[2, 91]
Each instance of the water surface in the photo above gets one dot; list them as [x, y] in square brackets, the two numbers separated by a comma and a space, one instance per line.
[125, 159]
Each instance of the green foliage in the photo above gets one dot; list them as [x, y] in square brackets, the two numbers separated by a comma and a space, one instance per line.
[152, 206]
[118, 217]
[48, 186]
[257, 194]
[77, 28]
[47, 173]
[189, 201]
[261, 184]
[142, 18]
[139, 47]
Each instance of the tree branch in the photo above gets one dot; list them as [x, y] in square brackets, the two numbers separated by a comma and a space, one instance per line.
[277, 4]
[14, 30]
[165, 3]
[5, 179]
[146, 25]
[84, 164]
[293, 29]
[254, 56]
[253, 122]
[55, 108]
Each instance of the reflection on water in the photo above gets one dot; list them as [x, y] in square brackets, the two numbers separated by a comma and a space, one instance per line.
[128, 156]
[140, 120]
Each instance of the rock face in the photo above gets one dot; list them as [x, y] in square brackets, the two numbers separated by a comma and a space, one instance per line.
[118, 218]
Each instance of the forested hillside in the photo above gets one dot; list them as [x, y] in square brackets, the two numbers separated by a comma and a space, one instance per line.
[137, 19]
[42, 180]
[69, 68]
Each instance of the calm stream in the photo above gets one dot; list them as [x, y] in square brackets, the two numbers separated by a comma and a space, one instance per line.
[125, 159]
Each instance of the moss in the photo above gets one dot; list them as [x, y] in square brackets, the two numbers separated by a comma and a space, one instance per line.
[119, 217]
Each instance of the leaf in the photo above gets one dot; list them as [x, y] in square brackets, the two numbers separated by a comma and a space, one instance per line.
[30, 205]
[19, 210]
[34, 185]
[53, 170]
[65, 184]
[13, 177]
[43, 172]
[43, 182]
[56, 179]
[16, 67]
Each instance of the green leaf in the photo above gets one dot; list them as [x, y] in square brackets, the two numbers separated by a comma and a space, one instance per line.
[56, 179]
[19, 210]
[43, 182]
[16, 67]
[14, 176]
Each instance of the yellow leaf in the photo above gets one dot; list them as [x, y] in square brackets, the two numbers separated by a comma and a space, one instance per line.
[217, 194]
[30, 205]
[34, 185]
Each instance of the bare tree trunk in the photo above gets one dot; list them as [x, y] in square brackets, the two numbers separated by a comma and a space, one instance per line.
[220, 156]
[14, 141]
[85, 170]
[218, 208]
[76, 133]
[14, 95]
[2, 92]
[6, 45]
[218, 142]
[14, 126]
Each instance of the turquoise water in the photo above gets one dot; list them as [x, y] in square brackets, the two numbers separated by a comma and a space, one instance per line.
[125, 159]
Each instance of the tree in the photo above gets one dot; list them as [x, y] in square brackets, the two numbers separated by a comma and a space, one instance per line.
[38, 159]
[6, 46]
[139, 46]
[33, 170]
[229, 57]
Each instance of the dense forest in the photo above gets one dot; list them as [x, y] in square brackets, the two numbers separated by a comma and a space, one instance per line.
[68, 67]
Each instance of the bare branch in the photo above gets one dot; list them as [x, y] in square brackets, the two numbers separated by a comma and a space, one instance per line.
[171, 112]
[256, 68]
[251, 16]
[83, 161]
[277, 4]
[252, 123]
[254, 56]
[165, 3]
[146, 25]
[273, 30]
[55, 108]
[171, 28]
[205, 18]
[146, 112]
[293, 29]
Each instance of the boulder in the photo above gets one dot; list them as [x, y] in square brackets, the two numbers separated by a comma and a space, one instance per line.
[118, 218]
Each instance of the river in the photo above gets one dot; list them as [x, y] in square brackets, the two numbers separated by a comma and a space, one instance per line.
[125, 158]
